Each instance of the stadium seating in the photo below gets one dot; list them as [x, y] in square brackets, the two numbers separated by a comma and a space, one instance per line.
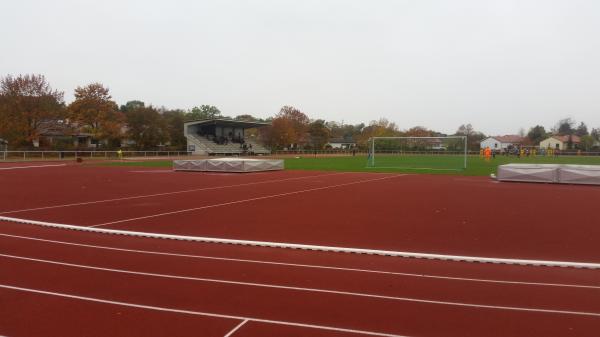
[204, 145]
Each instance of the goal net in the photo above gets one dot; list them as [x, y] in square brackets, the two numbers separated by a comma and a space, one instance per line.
[418, 153]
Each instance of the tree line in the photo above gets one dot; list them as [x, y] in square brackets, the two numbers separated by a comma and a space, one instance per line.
[31, 109]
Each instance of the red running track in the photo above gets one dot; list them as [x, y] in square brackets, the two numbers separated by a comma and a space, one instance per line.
[423, 213]
[76, 283]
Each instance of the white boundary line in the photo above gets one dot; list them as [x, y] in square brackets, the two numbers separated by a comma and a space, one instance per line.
[169, 193]
[246, 200]
[310, 247]
[299, 265]
[198, 313]
[237, 327]
[28, 167]
[312, 290]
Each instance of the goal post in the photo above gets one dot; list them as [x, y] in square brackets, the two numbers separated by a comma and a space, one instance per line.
[418, 153]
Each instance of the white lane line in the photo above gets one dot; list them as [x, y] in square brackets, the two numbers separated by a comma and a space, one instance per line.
[168, 193]
[303, 289]
[285, 245]
[200, 313]
[237, 327]
[311, 266]
[28, 167]
[271, 196]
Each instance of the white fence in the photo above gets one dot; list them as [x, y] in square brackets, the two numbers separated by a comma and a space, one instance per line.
[65, 155]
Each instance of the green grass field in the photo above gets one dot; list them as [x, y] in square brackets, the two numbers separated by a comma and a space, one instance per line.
[475, 165]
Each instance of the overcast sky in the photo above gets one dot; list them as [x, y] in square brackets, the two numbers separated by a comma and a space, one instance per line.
[500, 65]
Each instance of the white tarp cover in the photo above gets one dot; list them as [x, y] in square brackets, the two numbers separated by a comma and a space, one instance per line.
[528, 172]
[550, 173]
[228, 165]
[580, 174]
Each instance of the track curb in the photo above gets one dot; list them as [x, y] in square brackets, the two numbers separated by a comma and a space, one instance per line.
[362, 251]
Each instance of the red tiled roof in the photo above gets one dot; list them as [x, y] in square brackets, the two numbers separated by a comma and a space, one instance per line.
[509, 139]
[565, 139]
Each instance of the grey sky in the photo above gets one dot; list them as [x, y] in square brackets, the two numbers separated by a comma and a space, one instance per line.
[499, 65]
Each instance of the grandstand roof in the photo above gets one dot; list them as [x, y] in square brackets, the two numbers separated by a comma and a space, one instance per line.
[228, 122]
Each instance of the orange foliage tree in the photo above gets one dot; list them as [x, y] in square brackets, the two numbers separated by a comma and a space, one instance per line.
[288, 129]
[94, 111]
[28, 108]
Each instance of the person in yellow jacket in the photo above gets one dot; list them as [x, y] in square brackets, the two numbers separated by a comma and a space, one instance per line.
[120, 154]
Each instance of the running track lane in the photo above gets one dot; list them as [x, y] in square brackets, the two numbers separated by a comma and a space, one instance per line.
[283, 304]
[215, 197]
[30, 188]
[418, 213]
[386, 264]
[435, 214]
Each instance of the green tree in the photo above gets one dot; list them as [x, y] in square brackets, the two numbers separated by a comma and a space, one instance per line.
[537, 134]
[581, 130]
[146, 127]
[247, 118]
[28, 108]
[319, 134]
[565, 126]
[596, 134]
[203, 112]
[130, 105]
[174, 120]
[345, 131]
[94, 111]
[587, 142]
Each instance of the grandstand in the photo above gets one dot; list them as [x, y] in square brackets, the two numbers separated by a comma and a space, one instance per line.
[223, 137]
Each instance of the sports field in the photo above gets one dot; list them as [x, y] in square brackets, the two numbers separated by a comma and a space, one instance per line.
[93, 250]
[476, 166]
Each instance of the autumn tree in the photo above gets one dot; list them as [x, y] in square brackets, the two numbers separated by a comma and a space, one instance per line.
[203, 112]
[378, 128]
[288, 129]
[146, 127]
[473, 137]
[94, 111]
[419, 131]
[28, 108]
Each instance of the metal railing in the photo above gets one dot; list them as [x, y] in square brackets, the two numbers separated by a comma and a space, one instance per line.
[72, 154]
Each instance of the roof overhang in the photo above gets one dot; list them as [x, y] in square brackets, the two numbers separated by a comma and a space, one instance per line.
[228, 122]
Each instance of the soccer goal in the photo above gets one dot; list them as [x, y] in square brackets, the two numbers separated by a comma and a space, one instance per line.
[418, 153]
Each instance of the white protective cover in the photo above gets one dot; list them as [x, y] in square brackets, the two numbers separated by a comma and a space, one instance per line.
[228, 165]
[544, 173]
[580, 174]
[550, 173]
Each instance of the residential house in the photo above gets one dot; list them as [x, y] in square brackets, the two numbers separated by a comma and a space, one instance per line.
[500, 143]
[560, 142]
[341, 143]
